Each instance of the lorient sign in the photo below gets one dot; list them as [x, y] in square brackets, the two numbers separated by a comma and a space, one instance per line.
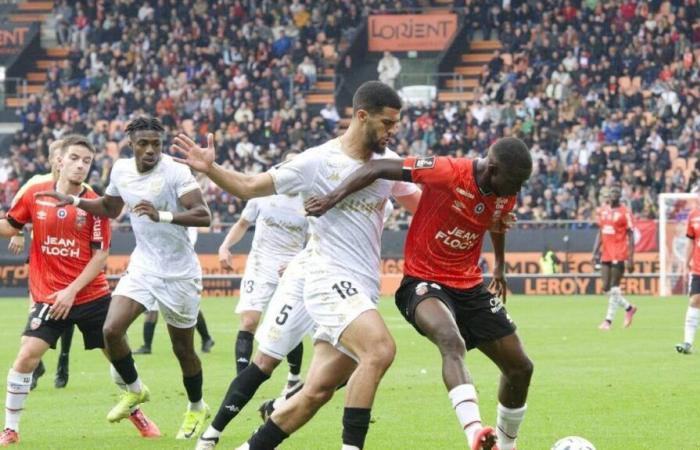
[410, 32]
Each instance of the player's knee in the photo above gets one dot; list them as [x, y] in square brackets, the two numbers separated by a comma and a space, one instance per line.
[451, 344]
[318, 395]
[265, 363]
[249, 323]
[521, 373]
[183, 351]
[112, 333]
[25, 362]
[382, 354]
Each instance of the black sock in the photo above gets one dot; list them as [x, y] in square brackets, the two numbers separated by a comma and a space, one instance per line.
[239, 393]
[244, 350]
[355, 426]
[294, 359]
[628, 308]
[193, 386]
[67, 340]
[149, 329]
[268, 437]
[126, 369]
[202, 327]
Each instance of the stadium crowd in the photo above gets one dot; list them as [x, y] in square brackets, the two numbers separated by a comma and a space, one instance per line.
[601, 91]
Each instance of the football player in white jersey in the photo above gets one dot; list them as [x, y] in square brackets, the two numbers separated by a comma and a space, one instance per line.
[164, 199]
[280, 233]
[341, 284]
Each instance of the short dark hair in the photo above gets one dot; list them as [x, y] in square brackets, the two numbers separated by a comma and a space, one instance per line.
[144, 123]
[512, 152]
[373, 96]
[75, 139]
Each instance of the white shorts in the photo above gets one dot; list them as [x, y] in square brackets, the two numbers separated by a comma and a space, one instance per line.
[286, 320]
[255, 294]
[177, 299]
[333, 301]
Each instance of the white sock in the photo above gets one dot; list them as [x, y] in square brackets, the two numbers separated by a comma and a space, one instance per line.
[508, 422]
[278, 402]
[135, 387]
[196, 406]
[691, 324]
[18, 385]
[612, 307]
[622, 301]
[464, 402]
[292, 378]
[349, 447]
[211, 433]
[119, 382]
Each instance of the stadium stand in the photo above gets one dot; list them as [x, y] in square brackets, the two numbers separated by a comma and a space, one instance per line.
[602, 91]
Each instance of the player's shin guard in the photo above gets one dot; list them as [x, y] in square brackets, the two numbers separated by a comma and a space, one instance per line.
[616, 292]
[612, 307]
[126, 368]
[18, 385]
[294, 360]
[466, 406]
[691, 324]
[355, 427]
[268, 437]
[508, 422]
[193, 386]
[244, 350]
[239, 393]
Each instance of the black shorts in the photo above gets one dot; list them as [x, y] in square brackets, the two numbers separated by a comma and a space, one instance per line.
[620, 265]
[480, 316]
[89, 317]
[694, 285]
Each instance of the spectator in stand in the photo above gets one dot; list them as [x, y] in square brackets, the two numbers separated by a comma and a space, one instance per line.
[389, 68]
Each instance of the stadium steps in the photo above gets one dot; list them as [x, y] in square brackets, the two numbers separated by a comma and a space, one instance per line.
[471, 65]
[15, 102]
[37, 77]
[28, 18]
[320, 99]
[35, 6]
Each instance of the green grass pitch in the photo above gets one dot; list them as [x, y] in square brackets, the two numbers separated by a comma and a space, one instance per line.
[622, 389]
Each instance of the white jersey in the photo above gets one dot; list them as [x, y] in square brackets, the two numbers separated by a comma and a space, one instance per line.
[280, 233]
[347, 237]
[162, 249]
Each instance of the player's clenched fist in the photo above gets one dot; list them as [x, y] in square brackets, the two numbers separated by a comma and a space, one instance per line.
[146, 208]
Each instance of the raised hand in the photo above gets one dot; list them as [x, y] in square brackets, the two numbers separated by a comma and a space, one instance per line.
[200, 159]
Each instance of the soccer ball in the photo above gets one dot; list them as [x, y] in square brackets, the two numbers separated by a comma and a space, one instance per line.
[573, 443]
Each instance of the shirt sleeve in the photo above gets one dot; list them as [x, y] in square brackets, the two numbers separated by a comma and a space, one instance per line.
[430, 171]
[101, 233]
[184, 181]
[251, 211]
[21, 211]
[690, 231]
[112, 190]
[296, 176]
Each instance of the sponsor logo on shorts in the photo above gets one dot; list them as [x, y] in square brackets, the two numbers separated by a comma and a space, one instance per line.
[423, 287]
[425, 163]
[496, 304]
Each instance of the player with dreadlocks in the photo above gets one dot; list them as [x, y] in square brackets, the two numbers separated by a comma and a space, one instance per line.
[163, 199]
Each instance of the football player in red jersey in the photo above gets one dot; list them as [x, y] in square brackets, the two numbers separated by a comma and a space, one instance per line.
[442, 294]
[614, 246]
[693, 266]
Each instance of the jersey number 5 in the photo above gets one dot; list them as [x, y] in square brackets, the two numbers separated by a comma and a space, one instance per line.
[344, 289]
[283, 315]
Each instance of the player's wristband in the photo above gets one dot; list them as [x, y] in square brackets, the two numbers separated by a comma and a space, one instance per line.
[165, 216]
[75, 200]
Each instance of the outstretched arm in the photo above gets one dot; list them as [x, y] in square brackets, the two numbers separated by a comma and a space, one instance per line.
[106, 206]
[201, 159]
[7, 230]
[368, 173]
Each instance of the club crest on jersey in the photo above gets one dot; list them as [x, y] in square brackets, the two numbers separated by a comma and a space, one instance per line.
[425, 163]
[62, 213]
[35, 323]
[479, 208]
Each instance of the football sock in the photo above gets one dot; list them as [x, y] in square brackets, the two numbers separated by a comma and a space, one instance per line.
[67, 340]
[294, 360]
[119, 382]
[466, 406]
[193, 386]
[126, 369]
[149, 329]
[612, 307]
[18, 385]
[355, 427]
[691, 324]
[268, 437]
[244, 349]
[239, 393]
[211, 433]
[202, 327]
[622, 301]
[508, 422]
